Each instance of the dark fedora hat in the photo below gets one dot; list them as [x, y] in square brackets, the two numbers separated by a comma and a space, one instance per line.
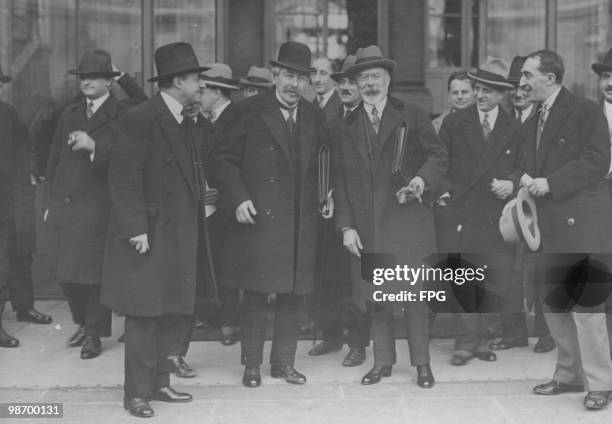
[348, 62]
[96, 62]
[257, 77]
[175, 58]
[606, 65]
[219, 75]
[294, 56]
[514, 76]
[369, 57]
[494, 73]
[4, 78]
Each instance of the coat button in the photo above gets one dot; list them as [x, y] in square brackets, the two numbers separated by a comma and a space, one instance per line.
[271, 148]
[169, 160]
[272, 180]
[67, 200]
[359, 185]
[268, 211]
[571, 221]
[561, 142]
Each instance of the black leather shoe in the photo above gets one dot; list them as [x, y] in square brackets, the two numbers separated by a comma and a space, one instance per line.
[597, 400]
[355, 357]
[376, 373]
[6, 340]
[180, 368]
[168, 394]
[486, 355]
[325, 347]
[138, 407]
[425, 378]
[252, 376]
[33, 316]
[555, 387]
[230, 338]
[91, 348]
[544, 344]
[288, 373]
[508, 343]
[78, 338]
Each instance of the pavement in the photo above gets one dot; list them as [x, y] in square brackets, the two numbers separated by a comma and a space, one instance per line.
[43, 369]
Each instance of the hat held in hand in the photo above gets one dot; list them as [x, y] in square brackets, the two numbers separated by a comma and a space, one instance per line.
[519, 220]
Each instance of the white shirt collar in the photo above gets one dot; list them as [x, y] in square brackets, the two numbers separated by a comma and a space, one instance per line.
[608, 109]
[492, 115]
[550, 101]
[325, 98]
[176, 108]
[219, 110]
[96, 103]
[380, 107]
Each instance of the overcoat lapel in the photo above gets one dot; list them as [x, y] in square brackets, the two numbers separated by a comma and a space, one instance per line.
[273, 118]
[556, 118]
[307, 127]
[473, 133]
[389, 122]
[106, 112]
[354, 123]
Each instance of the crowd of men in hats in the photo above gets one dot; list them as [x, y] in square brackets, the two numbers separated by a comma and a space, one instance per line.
[165, 207]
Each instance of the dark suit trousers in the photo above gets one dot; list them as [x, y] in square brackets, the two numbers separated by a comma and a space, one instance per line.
[4, 261]
[383, 337]
[289, 312]
[86, 309]
[335, 316]
[20, 283]
[147, 344]
[512, 316]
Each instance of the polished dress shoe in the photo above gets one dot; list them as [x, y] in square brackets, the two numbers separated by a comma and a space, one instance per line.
[355, 357]
[425, 378]
[230, 337]
[555, 387]
[252, 376]
[544, 344]
[597, 400]
[508, 343]
[138, 407]
[179, 367]
[168, 394]
[325, 347]
[288, 373]
[376, 373]
[6, 340]
[486, 355]
[91, 348]
[33, 316]
[78, 338]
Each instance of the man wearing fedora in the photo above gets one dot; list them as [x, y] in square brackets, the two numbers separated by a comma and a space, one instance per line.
[567, 156]
[157, 192]
[77, 203]
[257, 80]
[267, 171]
[485, 145]
[389, 161]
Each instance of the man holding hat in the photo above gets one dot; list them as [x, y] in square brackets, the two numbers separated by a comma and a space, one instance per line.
[267, 169]
[389, 162]
[77, 208]
[158, 192]
[257, 80]
[484, 145]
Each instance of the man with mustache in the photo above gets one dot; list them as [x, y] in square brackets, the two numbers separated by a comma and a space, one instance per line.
[266, 166]
[460, 96]
[567, 156]
[389, 162]
[326, 97]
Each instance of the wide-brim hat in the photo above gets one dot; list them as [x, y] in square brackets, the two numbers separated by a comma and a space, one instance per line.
[96, 62]
[494, 73]
[369, 57]
[175, 58]
[4, 78]
[294, 56]
[219, 75]
[348, 62]
[519, 220]
[514, 76]
[606, 65]
[257, 77]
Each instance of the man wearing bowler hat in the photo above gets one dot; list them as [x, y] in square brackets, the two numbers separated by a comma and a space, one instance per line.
[389, 162]
[157, 191]
[257, 80]
[77, 208]
[267, 170]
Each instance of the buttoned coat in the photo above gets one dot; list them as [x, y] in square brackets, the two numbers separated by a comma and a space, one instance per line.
[253, 163]
[366, 189]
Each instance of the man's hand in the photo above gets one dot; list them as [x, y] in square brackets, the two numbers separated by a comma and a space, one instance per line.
[526, 180]
[352, 241]
[539, 187]
[414, 190]
[79, 140]
[245, 212]
[141, 243]
[502, 188]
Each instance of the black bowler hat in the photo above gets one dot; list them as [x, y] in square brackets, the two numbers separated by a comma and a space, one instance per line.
[294, 56]
[494, 73]
[4, 78]
[514, 76]
[176, 58]
[95, 62]
[606, 65]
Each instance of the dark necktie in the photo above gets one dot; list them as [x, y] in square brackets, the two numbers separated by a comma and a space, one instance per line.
[486, 126]
[375, 119]
[89, 110]
[541, 122]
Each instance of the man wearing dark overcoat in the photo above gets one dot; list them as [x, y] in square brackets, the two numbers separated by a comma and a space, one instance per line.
[150, 264]
[567, 156]
[77, 208]
[387, 155]
[267, 171]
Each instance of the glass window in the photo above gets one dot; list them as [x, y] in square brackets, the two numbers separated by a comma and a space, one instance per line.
[192, 21]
